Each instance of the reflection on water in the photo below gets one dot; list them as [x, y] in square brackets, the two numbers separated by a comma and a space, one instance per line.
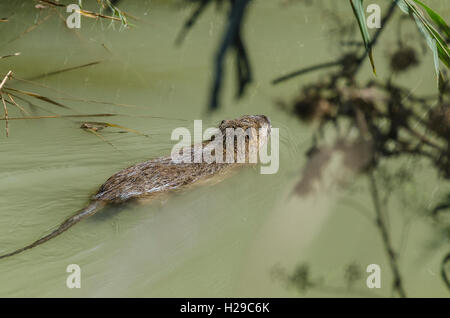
[211, 241]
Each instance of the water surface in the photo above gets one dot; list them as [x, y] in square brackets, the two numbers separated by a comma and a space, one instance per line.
[212, 241]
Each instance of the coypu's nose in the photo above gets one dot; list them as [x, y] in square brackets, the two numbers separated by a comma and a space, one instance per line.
[267, 119]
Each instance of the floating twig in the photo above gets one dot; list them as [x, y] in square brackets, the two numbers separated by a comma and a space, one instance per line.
[100, 125]
[38, 96]
[63, 70]
[10, 55]
[58, 116]
[93, 131]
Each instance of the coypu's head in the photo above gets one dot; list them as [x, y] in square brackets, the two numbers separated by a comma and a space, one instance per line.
[250, 133]
[247, 121]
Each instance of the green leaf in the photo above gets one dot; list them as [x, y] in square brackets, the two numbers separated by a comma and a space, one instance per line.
[430, 34]
[440, 22]
[358, 10]
[440, 78]
[434, 40]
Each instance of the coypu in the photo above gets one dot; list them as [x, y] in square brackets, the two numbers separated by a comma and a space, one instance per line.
[157, 176]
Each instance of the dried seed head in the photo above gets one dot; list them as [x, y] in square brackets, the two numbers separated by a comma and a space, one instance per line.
[403, 58]
[440, 120]
[312, 107]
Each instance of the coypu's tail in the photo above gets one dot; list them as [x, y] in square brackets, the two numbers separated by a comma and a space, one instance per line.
[91, 209]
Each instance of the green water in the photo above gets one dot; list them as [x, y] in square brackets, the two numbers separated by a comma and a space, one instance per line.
[212, 241]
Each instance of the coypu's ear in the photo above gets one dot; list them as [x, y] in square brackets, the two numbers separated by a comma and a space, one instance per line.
[223, 124]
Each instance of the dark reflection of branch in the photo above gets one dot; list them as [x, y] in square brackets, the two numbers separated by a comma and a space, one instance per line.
[303, 282]
[392, 120]
[381, 223]
[191, 21]
[242, 65]
[444, 272]
[359, 61]
[343, 291]
[231, 38]
[305, 70]
[352, 43]
[441, 207]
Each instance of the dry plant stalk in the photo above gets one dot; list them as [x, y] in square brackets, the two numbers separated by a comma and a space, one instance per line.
[6, 115]
[17, 105]
[86, 13]
[10, 55]
[7, 76]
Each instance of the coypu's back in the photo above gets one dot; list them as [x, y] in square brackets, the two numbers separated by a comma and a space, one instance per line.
[152, 177]
[163, 174]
